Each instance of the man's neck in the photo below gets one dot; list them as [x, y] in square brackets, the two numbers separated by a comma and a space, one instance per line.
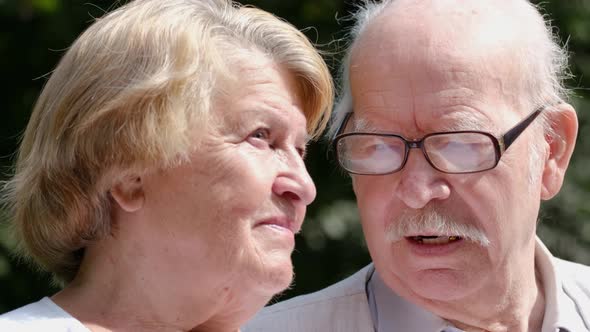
[510, 317]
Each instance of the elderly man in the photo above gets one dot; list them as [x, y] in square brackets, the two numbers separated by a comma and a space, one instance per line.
[454, 126]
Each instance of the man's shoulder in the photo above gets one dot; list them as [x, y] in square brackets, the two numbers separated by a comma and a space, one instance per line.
[575, 283]
[574, 275]
[340, 307]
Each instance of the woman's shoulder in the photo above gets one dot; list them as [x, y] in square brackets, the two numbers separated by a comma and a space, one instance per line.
[43, 315]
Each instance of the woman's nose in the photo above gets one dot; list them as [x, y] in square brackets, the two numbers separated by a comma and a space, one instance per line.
[295, 183]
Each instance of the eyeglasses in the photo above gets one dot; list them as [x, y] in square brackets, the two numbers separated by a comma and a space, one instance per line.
[454, 152]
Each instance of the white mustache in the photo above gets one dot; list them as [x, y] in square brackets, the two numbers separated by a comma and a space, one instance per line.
[431, 221]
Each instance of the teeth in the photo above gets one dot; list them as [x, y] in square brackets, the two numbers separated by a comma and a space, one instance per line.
[435, 239]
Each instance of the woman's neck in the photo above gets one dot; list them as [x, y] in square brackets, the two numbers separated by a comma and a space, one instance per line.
[112, 293]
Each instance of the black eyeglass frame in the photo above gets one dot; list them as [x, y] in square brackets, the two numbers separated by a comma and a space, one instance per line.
[501, 144]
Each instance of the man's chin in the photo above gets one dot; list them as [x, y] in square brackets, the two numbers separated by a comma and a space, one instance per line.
[442, 285]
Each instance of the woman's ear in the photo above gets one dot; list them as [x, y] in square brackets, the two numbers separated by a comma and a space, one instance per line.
[128, 193]
[561, 141]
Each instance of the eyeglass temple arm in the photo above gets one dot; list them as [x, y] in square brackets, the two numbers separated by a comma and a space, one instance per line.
[338, 132]
[510, 136]
[342, 124]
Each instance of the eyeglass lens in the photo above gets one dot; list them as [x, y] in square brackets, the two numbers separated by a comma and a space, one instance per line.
[448, 152]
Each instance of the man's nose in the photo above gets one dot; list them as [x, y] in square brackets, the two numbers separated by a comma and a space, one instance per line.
[420, 183]
[295, 183]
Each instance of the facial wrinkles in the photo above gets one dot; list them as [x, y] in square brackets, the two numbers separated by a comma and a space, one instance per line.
[360, 124]
[444, 91]
[418, 93]
[286, 127]
[263, 103]
[262, 84]
[451, 120]
[465, 120]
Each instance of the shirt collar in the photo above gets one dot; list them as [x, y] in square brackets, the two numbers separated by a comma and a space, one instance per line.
[561, 313]
[390, 312]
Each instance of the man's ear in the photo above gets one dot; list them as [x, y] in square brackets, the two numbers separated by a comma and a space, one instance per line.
[561, 141]
[128, 193]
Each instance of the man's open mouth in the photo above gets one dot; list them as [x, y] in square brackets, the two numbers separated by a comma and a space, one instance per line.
[420, 239]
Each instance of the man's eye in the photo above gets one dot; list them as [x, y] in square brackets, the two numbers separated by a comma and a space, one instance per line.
[378, 147]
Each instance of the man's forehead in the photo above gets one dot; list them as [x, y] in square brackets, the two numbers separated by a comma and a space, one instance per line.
[431, 63]
[377, 65]
[439, 27]
[415, 94]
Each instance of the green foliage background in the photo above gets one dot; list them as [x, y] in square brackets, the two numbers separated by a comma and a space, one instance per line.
[35, 33]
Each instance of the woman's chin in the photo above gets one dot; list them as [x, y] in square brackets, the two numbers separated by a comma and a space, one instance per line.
[269, 265]
[276, 277]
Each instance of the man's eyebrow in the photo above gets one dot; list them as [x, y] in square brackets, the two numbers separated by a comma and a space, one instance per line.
[466, 123]
[463, 123]
[361, 124]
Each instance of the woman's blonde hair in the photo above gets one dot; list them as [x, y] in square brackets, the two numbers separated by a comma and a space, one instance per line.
[124, 97]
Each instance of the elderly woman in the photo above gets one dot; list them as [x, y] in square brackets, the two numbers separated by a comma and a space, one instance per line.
[161, 176]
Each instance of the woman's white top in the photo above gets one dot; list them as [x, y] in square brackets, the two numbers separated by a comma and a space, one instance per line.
[43, 315]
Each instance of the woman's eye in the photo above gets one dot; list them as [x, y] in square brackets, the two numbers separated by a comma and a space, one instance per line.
[261, 138]
[261, 133]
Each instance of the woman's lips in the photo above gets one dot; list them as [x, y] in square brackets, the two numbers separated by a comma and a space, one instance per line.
[281, 222]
